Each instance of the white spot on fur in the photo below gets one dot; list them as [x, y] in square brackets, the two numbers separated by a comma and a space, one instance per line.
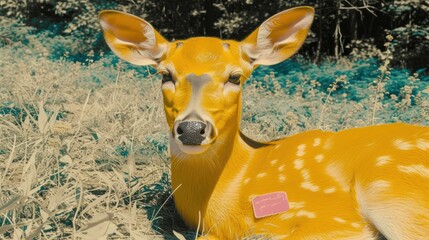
[298, 164]
[338, 219]
[273, 162]
[301, 150]
[382, 160]
[310, 186]
[316, 142]
[261, 175]
[379, 184]
[246, 181]
[303, 213]
[281, 168]
[423, 144]
[305, 174]
[356, 225]
[330, 190]
[418, 169]
[307, 184]
[336, 173]
[319, 158]
[282, 178]
[296, 205]
[401, 144]
[287, 215]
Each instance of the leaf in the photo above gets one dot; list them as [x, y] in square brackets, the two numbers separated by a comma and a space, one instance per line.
[27, 181]
[31, 162]
[10, 159]
[10, 126]
[42, 119]
[131, 166]
[52, 120]
[121, 179]
[99, 227]
[94, 134]
[94, 203]
[10, 204]
[178, 235]
[105, 179]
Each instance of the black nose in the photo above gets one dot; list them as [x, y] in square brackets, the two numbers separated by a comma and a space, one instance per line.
[191, 132]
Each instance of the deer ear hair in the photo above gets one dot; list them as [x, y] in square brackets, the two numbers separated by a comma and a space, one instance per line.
[279, 37]
[132, 38]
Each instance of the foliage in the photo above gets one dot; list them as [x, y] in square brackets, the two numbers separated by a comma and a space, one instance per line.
[79, 14]
[338, 23]
[410, 30]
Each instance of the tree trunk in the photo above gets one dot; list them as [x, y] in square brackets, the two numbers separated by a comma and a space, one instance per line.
[353, 26]
[337, 30]
[320, 32]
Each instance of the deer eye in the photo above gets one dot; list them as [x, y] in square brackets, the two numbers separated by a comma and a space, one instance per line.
[166, 77]
[234, 79]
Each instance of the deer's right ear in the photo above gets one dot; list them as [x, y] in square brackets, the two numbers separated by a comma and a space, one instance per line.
[132, 38]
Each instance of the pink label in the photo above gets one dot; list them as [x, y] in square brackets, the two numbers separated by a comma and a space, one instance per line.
[270, 204]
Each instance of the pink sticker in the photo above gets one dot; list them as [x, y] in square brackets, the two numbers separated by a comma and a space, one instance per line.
[270, 204]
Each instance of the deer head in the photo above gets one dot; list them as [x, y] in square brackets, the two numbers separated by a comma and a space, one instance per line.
[202, 77]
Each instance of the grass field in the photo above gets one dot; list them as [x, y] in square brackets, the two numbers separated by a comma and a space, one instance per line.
[83, 145]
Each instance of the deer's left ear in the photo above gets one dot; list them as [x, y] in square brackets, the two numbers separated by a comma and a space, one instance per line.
[132, 38]
[279, 37]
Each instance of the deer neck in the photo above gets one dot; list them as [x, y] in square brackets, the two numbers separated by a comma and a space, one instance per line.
[194, 177]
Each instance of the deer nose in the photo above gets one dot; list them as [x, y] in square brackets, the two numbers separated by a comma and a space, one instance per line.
[192, 132]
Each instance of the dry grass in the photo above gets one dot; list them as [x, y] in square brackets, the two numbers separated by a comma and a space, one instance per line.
[74, 150]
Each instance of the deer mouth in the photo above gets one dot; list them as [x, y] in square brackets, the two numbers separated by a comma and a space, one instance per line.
[178, 146]
[194, 149]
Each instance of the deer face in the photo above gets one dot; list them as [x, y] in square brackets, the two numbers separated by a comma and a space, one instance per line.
[202, 77]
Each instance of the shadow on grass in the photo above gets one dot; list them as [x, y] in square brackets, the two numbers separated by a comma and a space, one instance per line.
[159, 204]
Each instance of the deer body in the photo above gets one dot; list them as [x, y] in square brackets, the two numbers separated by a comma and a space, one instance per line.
[347, 185]
[338, 185]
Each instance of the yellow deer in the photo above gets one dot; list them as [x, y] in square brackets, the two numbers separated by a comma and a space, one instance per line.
[353, 184]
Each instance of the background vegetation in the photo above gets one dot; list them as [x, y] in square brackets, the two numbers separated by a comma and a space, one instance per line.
[340, 27]
[83, 146]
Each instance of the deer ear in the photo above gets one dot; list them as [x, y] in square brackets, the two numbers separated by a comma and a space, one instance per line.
[279, 37]
[132, 38]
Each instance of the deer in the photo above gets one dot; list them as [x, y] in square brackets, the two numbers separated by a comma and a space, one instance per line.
[354, 184]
